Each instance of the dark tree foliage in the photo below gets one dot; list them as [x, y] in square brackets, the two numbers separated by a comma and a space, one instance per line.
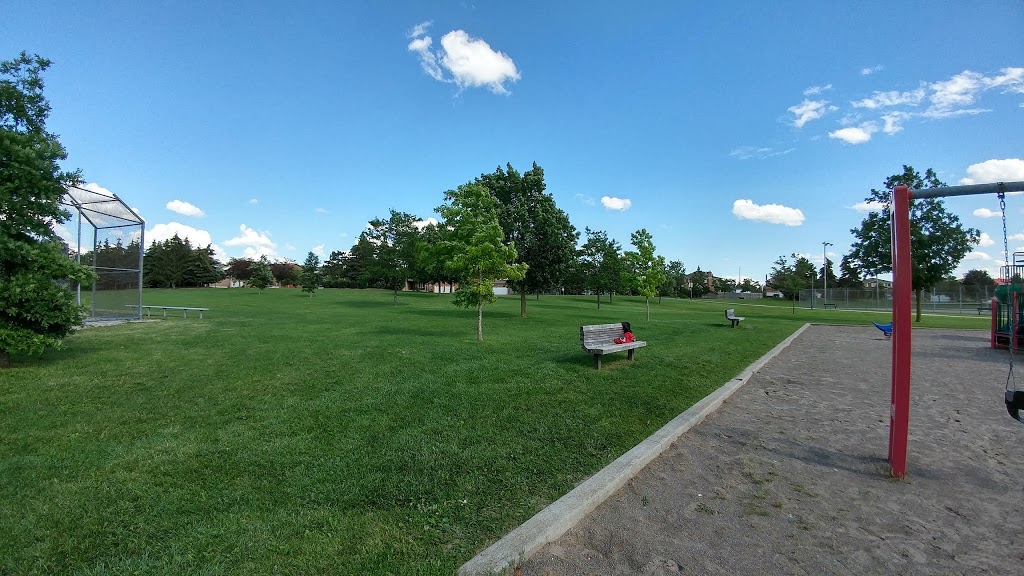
[849, 274]
[394, 243]
[239, 269]
[36, 309]
[601, 263]
[261, 277]
[115, 256]
[675, 280]
[310, 274]
[791, 278]
[174, 263]
[286, 272]
[938, 241]
[978, 284]
[544, 238]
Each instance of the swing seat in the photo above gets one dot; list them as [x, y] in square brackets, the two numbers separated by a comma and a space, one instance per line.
[885, 328]
[1015, 403]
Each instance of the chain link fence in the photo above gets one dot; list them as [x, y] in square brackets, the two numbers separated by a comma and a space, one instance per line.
[951, 300]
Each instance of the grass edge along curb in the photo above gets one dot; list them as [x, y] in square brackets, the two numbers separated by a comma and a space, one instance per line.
[561, 515]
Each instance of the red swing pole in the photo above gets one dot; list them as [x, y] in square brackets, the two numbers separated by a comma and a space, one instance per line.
[899, 406]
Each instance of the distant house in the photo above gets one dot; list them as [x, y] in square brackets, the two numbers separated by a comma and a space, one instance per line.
[501, 288]
[872, 283]
[228, 283]
[772, 293]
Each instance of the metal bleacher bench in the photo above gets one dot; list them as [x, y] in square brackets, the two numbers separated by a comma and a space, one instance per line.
[831, 305]
[597, 339]
[731, 316]
[184, 309]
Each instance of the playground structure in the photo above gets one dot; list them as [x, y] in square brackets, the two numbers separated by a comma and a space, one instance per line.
[899, 406]
[1006, 310]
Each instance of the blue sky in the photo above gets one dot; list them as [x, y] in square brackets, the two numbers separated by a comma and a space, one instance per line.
[735, 132]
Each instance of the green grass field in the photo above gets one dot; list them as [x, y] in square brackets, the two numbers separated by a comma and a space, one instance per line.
[339, 434]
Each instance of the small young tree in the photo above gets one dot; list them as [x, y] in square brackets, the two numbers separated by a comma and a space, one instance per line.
[477, 246]
[310, 274]
[260, 276]
[644, 270]
[36, 309]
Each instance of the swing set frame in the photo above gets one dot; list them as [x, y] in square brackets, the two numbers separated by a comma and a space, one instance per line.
[899, 405]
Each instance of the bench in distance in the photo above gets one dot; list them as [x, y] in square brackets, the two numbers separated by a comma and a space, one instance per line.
[731, 316]
[597, 339]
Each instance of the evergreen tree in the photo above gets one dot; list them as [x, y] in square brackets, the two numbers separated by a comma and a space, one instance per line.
[310, 274]
[36, 309]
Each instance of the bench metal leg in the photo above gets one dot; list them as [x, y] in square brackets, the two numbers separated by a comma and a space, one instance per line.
[630, 353]
[597, 361]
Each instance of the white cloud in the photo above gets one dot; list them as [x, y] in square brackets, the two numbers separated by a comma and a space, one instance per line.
[470, 62]
[256, 244]
[253, 201]
[869, 206]
[1006, 170]
[807, 110]
[184, 208]
[771, 213]
[871, 70]
[613, 203]
[950, 97]
[893, 122]
[891, 98]
[421, 224]
[321, 210]
[985, 240]
[817, 89]
[589, 201]
[198, 238]
[1016, 237]
[319, 250]
[748, 152]
[855, 134]
[975, 255]
[985, 213]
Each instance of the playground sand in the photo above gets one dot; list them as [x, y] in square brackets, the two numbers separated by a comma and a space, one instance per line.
[790, 475]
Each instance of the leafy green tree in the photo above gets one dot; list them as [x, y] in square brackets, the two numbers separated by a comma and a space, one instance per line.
[333, 273]
[477, 245]
[938, 241]
[645, 270]
[260, 276]
[724, 285]
[359, 258]
[978, 283]
[791, 278]
[544, 238]
[36, 309]
[849, 274]
[310, 274]
[432, 256]
[394, 250]
[675, 279]
[749, 285]
[697, 281]
[601, 263]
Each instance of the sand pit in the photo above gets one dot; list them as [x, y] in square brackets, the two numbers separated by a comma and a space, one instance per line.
[790, 476]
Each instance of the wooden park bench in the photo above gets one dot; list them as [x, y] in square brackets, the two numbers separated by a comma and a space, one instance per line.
[983, 309]
[831, 305]
[184, 309]
[731, 316]
[597, 339]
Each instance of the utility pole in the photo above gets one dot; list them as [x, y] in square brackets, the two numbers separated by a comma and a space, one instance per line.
[824, 268]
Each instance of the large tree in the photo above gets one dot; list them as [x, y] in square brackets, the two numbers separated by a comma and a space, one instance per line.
[260, 276]
[601, 263]
[394, 250]
[978, 283]
[544, 238]
[645, 270]
[849, 274]
[479, 255]
[36, 309]
[792, 277]
[938, 241]
[675, 279]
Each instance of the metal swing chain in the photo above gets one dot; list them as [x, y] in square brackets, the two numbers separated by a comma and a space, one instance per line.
[1011, 382]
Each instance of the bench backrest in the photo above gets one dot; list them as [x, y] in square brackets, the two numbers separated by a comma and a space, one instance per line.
[730, 313]
[599, 333]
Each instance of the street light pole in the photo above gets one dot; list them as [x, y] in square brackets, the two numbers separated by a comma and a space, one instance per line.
[824, 268]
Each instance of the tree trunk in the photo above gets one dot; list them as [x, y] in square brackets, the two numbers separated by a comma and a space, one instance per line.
[5, 359]
[396, 294]
[598, 299]
[609, 296]
[522, 303]
[648, 308]
[479, 321]
[917, 294]
[538, 294]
